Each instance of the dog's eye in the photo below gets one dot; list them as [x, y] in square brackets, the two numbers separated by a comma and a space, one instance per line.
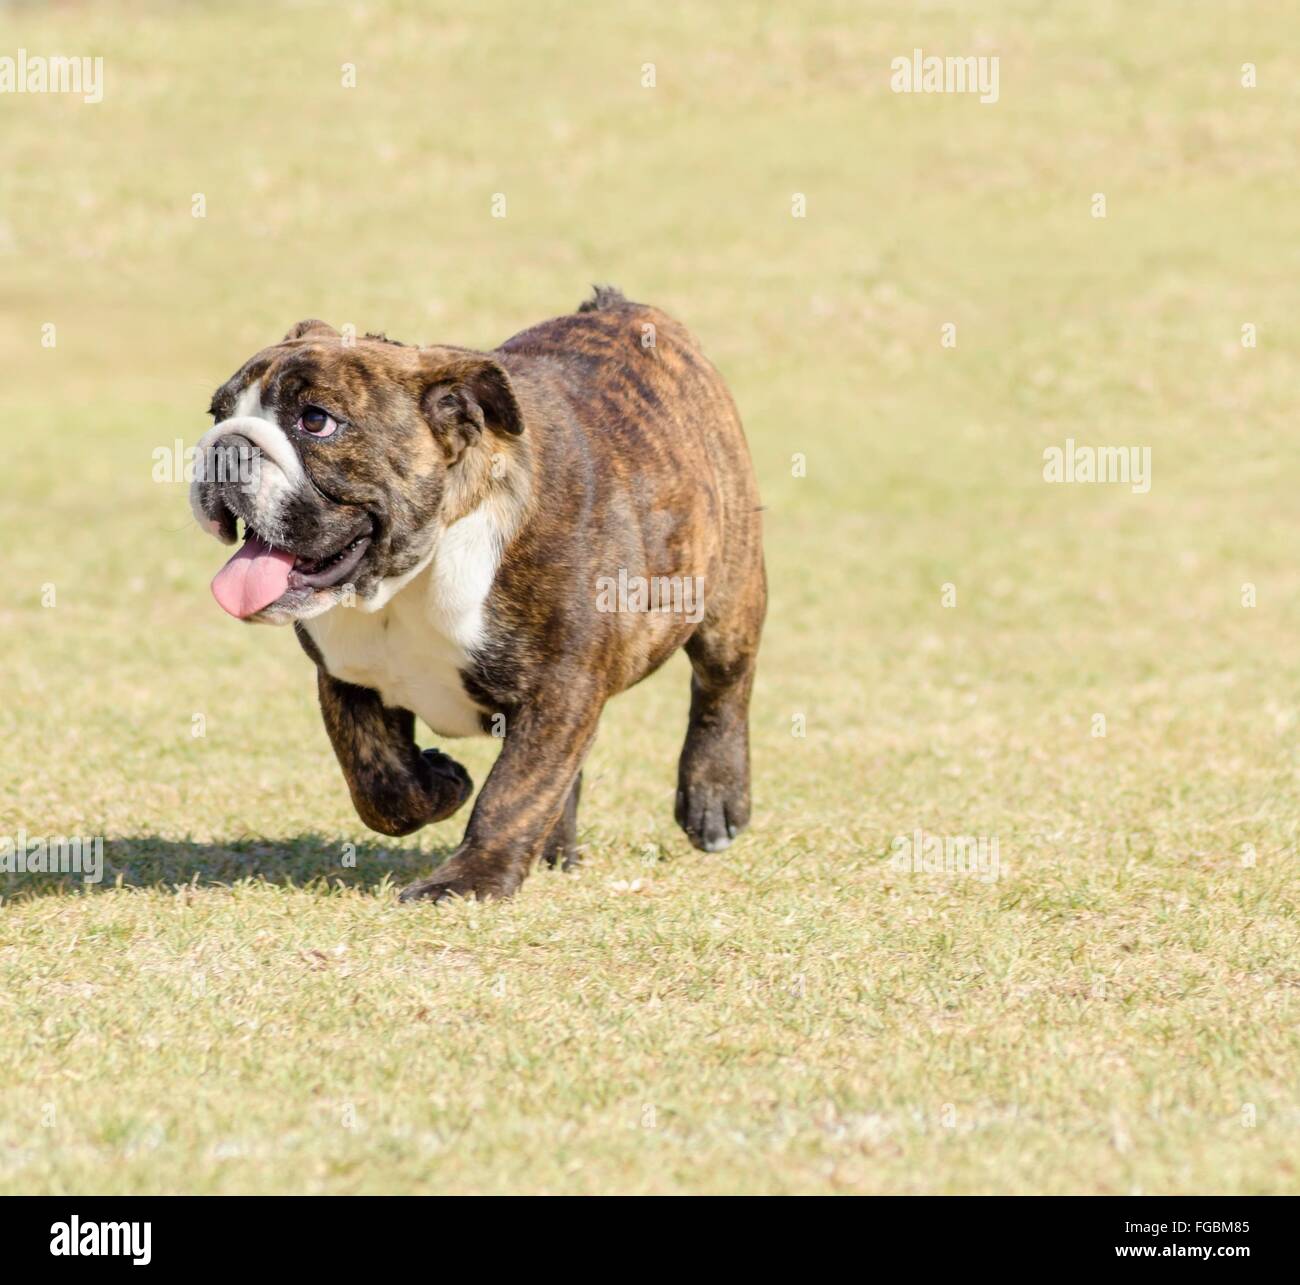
[317, 422]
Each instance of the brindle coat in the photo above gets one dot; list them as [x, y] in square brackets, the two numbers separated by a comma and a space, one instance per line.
[605, 440]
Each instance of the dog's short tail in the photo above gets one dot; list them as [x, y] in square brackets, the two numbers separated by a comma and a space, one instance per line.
[602, 297]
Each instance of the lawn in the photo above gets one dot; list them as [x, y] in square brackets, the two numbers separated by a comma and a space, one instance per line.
[1103, 681]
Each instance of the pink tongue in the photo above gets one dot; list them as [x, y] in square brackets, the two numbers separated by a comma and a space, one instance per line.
[254, 578]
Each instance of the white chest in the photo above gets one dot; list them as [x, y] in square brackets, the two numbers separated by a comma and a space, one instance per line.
[413, 649]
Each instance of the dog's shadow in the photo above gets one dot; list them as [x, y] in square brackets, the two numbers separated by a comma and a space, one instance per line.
[316, 862]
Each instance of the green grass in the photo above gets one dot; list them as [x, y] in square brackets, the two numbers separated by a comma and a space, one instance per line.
[236, 1009]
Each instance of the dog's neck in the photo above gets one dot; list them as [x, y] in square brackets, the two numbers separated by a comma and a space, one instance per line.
[487, 502]
[494, 471]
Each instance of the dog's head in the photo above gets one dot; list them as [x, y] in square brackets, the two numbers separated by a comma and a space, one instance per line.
[343, 459]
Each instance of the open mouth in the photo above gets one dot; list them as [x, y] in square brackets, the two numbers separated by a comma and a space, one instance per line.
[259, 574]
[334, 568]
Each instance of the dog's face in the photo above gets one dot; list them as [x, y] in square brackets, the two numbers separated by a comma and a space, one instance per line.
[338, 458]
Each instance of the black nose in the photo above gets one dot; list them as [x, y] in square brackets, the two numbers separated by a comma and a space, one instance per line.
[233, 460]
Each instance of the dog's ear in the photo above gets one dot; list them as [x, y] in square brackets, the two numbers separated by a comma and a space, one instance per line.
[465, 397]
[308, 327]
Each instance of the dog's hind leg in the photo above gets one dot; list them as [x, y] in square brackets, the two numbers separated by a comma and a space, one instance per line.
[561, 851]
[713, 773]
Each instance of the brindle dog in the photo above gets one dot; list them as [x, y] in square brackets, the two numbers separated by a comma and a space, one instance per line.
[445, 528]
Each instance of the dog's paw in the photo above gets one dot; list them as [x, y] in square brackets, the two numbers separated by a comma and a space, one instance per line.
[711, 815]
[429, 789]
[463, 877]
[446, 783]
[561, 853]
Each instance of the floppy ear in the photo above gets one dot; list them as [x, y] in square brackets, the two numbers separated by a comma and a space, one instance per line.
[306, 328]
[466, 397]
[488, 386]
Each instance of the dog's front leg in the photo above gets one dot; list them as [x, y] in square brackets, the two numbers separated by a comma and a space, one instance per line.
[520, 802]
[396, 787]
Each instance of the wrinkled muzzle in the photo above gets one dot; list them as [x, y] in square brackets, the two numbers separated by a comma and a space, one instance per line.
[246, 469]
[297, 544]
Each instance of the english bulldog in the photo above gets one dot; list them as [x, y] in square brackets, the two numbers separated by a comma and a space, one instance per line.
[497, 543]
